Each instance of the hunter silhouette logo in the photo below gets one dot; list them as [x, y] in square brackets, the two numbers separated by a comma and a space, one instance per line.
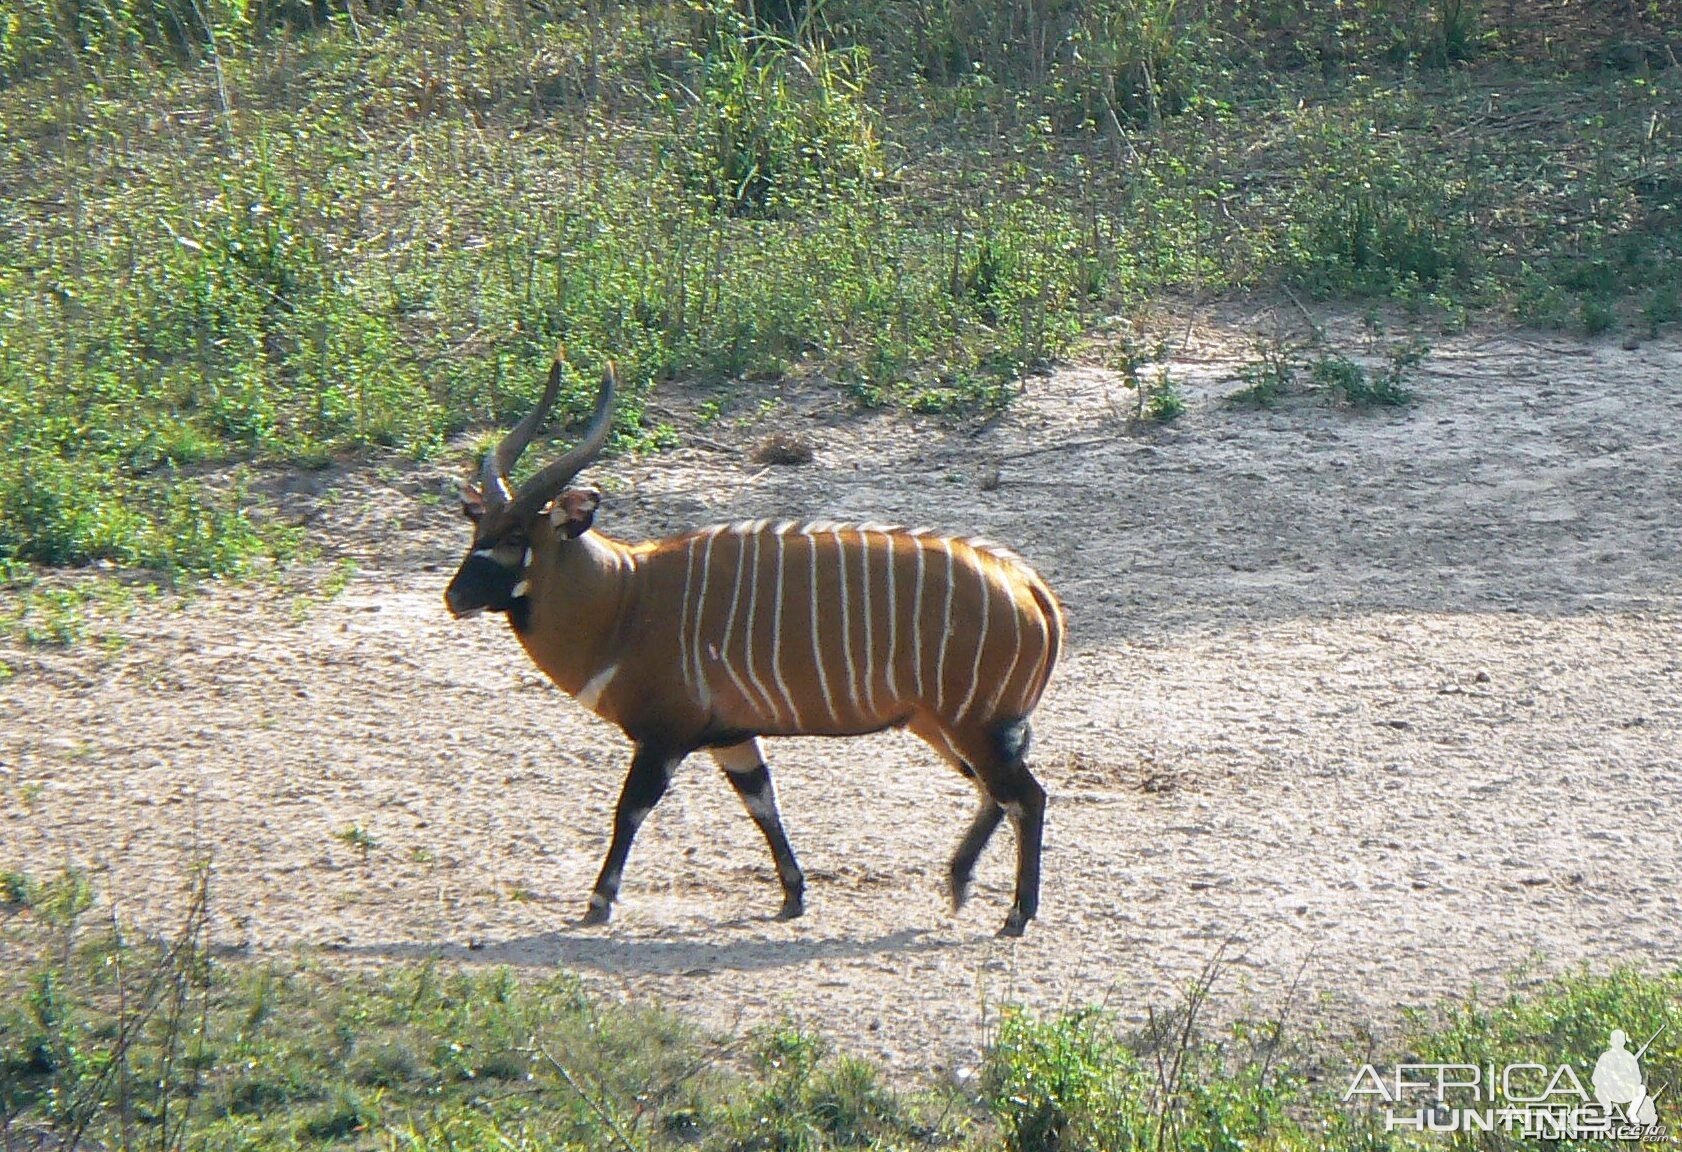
[1617, 1080]
[1525, 1099]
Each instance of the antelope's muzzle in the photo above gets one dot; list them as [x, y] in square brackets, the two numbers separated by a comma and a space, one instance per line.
[481, 584]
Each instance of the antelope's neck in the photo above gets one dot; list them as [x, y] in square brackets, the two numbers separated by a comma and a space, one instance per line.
[579, 592]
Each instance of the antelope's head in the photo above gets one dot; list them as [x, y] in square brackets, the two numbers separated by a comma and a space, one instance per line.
[505, 521]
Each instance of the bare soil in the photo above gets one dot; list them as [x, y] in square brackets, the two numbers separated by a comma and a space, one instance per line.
[1385, 700]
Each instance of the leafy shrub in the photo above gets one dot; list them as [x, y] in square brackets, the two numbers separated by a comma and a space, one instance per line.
[1374, 214]
[777, 127]
[1065, 1083]
[1133, 62]
[1355, 385]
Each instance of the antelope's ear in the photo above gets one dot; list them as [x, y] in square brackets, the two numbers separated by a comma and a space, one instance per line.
[574, 510]
[472, 502]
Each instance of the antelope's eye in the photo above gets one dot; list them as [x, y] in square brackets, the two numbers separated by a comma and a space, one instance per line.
[515, 539]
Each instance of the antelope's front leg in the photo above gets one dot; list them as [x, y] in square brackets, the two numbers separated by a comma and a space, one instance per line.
[651, 772]
[744, 766]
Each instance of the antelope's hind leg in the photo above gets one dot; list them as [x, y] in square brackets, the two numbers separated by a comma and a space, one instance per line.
[744, 766]
[981, 829]
[1020, 795]
[996, 758]
[651, 771]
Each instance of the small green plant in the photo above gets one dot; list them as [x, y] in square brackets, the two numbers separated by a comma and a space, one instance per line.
[336, 581]
[1268, 377]
[1596, 316]
[1455, 31]
[29, 795]
[1162, 401]
[359, 838]
[17, 890]
[709, 411]
[1354, 384]
[1155, 400]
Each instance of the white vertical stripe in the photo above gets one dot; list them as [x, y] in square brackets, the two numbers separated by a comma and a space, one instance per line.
[893, 619]
[701, 678]
[752, 626]
[945, 634]
[1015, 658]
[981, 641]
[730, 622]
[817, 645]
[1041, 626]
[917, 621]
[869, 628]
[777, 634]
[846, 630]
[686, 644]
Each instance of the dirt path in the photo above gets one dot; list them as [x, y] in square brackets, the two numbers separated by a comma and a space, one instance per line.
[1389, 698]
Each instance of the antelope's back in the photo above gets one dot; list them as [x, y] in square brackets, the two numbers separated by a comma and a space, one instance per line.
[825, 628]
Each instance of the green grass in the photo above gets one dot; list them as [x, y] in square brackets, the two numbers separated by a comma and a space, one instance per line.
[244, 233]
[44, 612]
[155, 1043]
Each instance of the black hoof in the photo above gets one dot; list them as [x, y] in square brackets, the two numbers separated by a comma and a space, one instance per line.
[595, 914]
[1015, 924]
[793, 908]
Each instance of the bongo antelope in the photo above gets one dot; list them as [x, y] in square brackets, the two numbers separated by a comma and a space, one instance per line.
[715, 638]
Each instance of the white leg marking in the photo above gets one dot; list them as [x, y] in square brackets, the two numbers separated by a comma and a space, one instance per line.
[917, 623]
[893, 620]
[521, 589]
[945, 634]
[590, 695]
[730, 623]
[817, 641]
[846, 621]
[738, 758]
[981, 641]
[526, 563]
[753, 623]
[491, 551]
[777, 635]
[869, 628]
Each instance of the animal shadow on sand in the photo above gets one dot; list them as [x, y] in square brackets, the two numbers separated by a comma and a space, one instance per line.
[670, 953]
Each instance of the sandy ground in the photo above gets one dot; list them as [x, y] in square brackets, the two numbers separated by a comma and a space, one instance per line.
[1389, 700]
